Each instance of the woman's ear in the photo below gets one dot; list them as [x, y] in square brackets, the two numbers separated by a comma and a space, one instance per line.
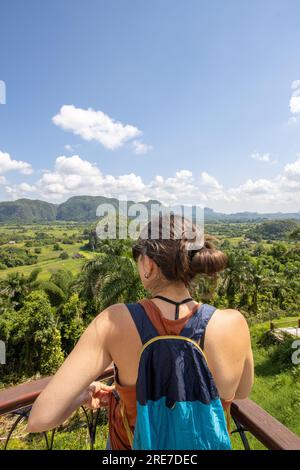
[145, 262]
[147, 266]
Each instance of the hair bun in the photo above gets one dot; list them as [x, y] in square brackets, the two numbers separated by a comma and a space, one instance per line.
[208, 260]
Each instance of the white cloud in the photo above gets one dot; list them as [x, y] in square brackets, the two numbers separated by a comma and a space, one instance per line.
[292, 170]
[295, 98]
[95, 125]
[265, 157]
[183, 174]
[20, 190]
[256, 187]
[70, 175]
[71, 149]
[75, 165]
[209, 181]
[140, 148]
[179, 188]
[75, 176]
[3, 180]
[295, 104]
[8, 164]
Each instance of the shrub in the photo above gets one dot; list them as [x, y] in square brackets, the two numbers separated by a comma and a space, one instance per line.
[282, 354]
[13, 256]
[72, 325]
[56, 294]
[34, 343]
[63, 279]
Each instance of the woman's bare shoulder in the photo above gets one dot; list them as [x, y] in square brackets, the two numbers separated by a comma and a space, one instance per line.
[115, 316]
[228, 321]
[227, 337]
[230, 314]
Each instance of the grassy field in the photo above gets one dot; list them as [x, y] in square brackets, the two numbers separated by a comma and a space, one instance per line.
[49, 259]
[277, 383]
[277, 380]
[72, 435]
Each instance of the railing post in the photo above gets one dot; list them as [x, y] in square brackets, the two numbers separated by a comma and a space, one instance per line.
[241, 430]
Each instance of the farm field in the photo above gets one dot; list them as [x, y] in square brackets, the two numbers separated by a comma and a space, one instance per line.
[43, 238]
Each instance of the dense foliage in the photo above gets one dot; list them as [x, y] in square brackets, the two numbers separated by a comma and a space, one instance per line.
[43, 315]
[33, 337]
[273, 230]
[45, 306]
[11, 256]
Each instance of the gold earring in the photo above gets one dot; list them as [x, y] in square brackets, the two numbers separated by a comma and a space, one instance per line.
[146, 275]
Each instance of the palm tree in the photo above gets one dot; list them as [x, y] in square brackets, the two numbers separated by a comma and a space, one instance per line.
[109, 279]
[262, 280]
[237, 280]
[16, 286]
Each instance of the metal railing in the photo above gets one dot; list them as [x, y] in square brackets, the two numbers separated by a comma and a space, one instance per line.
[247, 416]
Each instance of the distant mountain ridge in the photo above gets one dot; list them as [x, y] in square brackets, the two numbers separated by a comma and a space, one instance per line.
[27, 211]
[83, 209]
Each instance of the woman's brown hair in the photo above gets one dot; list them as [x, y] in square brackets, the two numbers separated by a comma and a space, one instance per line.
[175, 256]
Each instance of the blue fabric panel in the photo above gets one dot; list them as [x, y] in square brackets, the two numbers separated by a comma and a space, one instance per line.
[188, 426]
[177, 370]
[142, 322]
[197, 324]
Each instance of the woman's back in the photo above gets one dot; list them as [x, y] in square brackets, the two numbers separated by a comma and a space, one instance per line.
[227, 346]
[225, 356]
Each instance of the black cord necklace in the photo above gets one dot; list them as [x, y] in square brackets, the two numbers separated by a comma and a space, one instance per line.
[177, 304]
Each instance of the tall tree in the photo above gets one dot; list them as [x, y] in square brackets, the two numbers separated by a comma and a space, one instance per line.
[108, 279]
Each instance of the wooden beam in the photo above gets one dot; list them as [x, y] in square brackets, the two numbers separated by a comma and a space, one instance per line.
[268, 430]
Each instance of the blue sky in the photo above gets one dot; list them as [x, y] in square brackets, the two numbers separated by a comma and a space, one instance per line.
[185, 101]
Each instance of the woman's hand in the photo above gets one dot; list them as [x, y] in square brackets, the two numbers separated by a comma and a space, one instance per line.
[98, 395]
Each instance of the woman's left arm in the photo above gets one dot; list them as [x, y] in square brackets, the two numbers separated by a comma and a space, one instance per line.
[69, 387]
